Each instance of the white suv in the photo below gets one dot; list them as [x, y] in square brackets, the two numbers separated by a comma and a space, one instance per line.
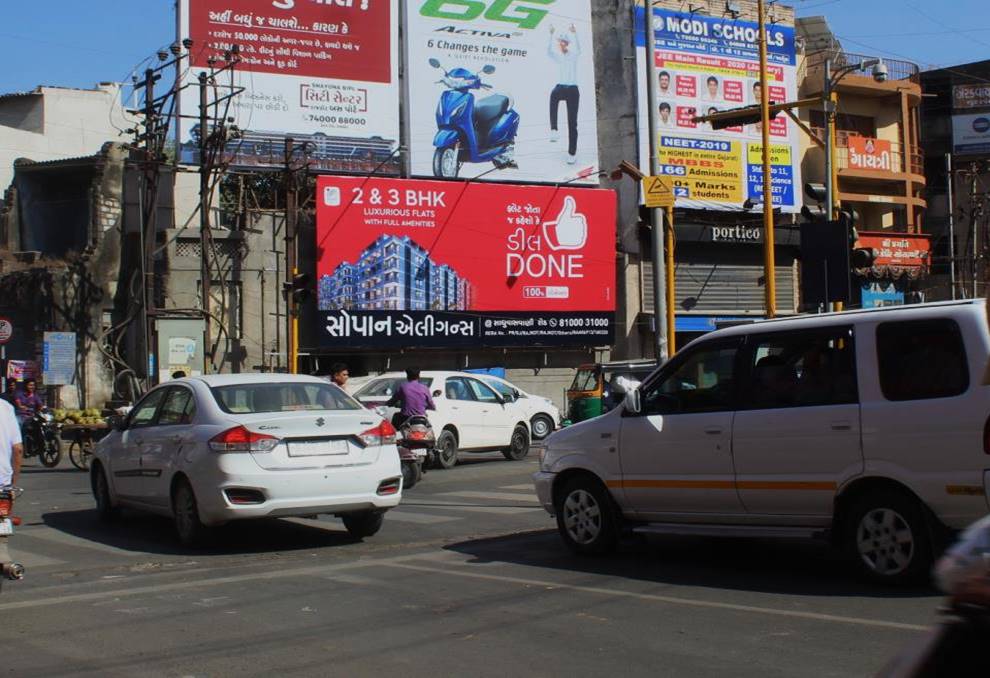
[470, 416]
[868, 427]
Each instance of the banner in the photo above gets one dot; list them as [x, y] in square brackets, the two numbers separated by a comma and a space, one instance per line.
[438, 264]
[707, 65]
[59, 358]
[971, 134]
[324, 73]
[970, 96]
[502, 90]
[871, 154]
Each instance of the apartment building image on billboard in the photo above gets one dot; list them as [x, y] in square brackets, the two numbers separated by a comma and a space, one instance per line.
[394, 274]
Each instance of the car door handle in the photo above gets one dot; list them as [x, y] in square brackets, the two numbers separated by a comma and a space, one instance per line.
[713, 431]
[841, 426]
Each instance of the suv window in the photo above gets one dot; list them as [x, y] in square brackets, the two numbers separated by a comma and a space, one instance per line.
[178, 408]
[506, 391]
[143, 413]
[457, 389]
[482, 393]
[701, 381]
[921, 360]
[802, 369]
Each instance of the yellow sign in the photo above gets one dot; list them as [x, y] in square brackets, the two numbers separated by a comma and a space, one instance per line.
[704, 170]
[658, 192]
[780, 154]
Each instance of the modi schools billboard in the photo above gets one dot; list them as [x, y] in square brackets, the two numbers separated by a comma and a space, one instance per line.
[437, 264]
[707, 65]
[324, 72]
[502, 90]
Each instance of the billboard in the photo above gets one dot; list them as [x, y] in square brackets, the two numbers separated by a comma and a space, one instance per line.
[971, 134]
[324, 73]
[439, 264]
[707, 65]
[871, 154]
[502, 90]
[970, 96]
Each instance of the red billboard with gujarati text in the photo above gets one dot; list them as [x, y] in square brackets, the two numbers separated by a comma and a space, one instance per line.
[437, 263]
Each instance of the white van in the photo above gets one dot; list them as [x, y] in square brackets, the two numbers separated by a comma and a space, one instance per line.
[869, 428]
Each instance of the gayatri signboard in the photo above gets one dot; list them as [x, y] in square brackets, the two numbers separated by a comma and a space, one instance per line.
[433, 264]
[870, 154]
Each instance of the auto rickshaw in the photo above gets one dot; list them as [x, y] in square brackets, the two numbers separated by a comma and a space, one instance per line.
[595, 389]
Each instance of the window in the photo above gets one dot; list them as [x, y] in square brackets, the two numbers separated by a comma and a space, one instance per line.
[802, 369]
[144, 413]
[385, 388]
[701, 381]
[286, 397]
[178, 408]
[457, 389]
[921, 360]
[586, 379]
[504, 390]
[482, 393]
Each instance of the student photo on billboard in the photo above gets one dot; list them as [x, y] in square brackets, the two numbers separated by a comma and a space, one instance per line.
[711, 89]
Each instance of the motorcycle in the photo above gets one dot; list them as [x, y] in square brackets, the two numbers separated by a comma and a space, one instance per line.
[472, 130]
[41, 438]
[8, 569]
[415, 442]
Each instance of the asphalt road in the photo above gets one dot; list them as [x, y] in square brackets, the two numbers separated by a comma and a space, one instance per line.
[467, 578]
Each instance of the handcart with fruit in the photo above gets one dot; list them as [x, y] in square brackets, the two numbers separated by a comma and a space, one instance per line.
[82, 429]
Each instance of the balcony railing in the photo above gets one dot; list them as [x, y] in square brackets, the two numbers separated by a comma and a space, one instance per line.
[913, 163]
[896, 69]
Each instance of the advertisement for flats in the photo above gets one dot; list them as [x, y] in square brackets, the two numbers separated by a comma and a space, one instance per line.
[502, 90]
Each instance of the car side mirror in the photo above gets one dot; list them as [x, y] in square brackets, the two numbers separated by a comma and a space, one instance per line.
[516, 395]
[632, 402]
[437, 393]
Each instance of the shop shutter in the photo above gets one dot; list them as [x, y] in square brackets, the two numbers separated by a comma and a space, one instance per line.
[723, 288]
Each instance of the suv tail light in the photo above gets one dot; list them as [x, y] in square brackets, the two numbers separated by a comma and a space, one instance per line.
[239, 439]
[383, 434]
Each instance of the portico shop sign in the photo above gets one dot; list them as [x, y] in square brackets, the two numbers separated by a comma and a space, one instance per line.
[870, 154]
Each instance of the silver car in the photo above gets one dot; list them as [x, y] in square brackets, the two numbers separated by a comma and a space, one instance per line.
[208, 450]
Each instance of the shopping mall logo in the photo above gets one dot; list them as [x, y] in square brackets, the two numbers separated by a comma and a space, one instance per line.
[550, 254]
[523, 13]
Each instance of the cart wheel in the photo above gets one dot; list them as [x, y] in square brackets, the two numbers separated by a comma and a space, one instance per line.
[80, 455]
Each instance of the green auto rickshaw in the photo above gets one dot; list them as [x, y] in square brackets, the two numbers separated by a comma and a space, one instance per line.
[596, 388]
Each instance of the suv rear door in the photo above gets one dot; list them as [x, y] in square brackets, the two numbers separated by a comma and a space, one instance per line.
[796, 435]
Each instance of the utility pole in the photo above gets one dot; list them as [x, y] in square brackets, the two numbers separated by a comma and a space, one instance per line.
[769, 254]
[291, 257]
[950, 193]
[660, 273]
[205, 234]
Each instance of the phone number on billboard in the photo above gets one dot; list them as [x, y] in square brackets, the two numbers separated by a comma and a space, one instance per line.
[334, 120]
[584, 322]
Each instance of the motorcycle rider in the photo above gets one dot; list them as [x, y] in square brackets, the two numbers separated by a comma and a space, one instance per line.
[10, 395]
[28, 403]
[412, 397]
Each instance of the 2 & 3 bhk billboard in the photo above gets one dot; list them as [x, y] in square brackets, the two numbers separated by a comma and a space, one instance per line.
[324, 72]
[437, 264]
[708, 65]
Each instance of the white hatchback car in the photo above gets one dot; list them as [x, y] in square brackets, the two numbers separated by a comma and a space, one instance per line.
[543, 415]
[869, 428]
[470, 416]
[208, 450]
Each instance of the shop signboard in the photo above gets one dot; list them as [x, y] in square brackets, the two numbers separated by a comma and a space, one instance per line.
[59, 358]
[905, 250]
[324, 73]
[870, 154]
[486, 80]
[440, 264]
[708, 65]
[881, 294]
[971, 134]
[970, 96]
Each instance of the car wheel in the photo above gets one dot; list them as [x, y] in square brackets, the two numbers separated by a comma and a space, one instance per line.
[518, 445]
[105, 508]
[542, 426]
[185, 515]
[363, 524]
[447, 450]
[887, 538]
[586, 519]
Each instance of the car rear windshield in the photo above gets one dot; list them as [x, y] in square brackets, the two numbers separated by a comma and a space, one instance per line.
[385, 388]
[282, 397]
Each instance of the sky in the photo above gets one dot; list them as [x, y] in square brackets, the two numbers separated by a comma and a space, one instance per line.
[77, 43]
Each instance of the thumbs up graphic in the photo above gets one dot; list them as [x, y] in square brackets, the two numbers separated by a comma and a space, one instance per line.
[569, 231]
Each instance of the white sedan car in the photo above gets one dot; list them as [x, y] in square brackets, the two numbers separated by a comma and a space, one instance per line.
[543, 415]
[470, 416]
[208, 450]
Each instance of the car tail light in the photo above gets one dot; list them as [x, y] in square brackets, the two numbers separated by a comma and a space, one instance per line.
[383, 434]
[239, 439]
[390, 486]
[242, 496]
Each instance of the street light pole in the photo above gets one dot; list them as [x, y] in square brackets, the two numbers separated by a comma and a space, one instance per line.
[659, 264]
[769, 256]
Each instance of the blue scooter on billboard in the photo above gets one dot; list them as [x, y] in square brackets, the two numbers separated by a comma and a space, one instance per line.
[469, 129]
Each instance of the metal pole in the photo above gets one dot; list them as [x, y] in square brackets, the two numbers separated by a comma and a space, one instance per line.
[976, 231]
[829, 139]
[769, 258]
[291, 259]
[659, 264]
[952, 224]
[671, 301]
[205, 236]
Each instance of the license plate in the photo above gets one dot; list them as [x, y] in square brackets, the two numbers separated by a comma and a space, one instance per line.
[317, 448]
[6, 527]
